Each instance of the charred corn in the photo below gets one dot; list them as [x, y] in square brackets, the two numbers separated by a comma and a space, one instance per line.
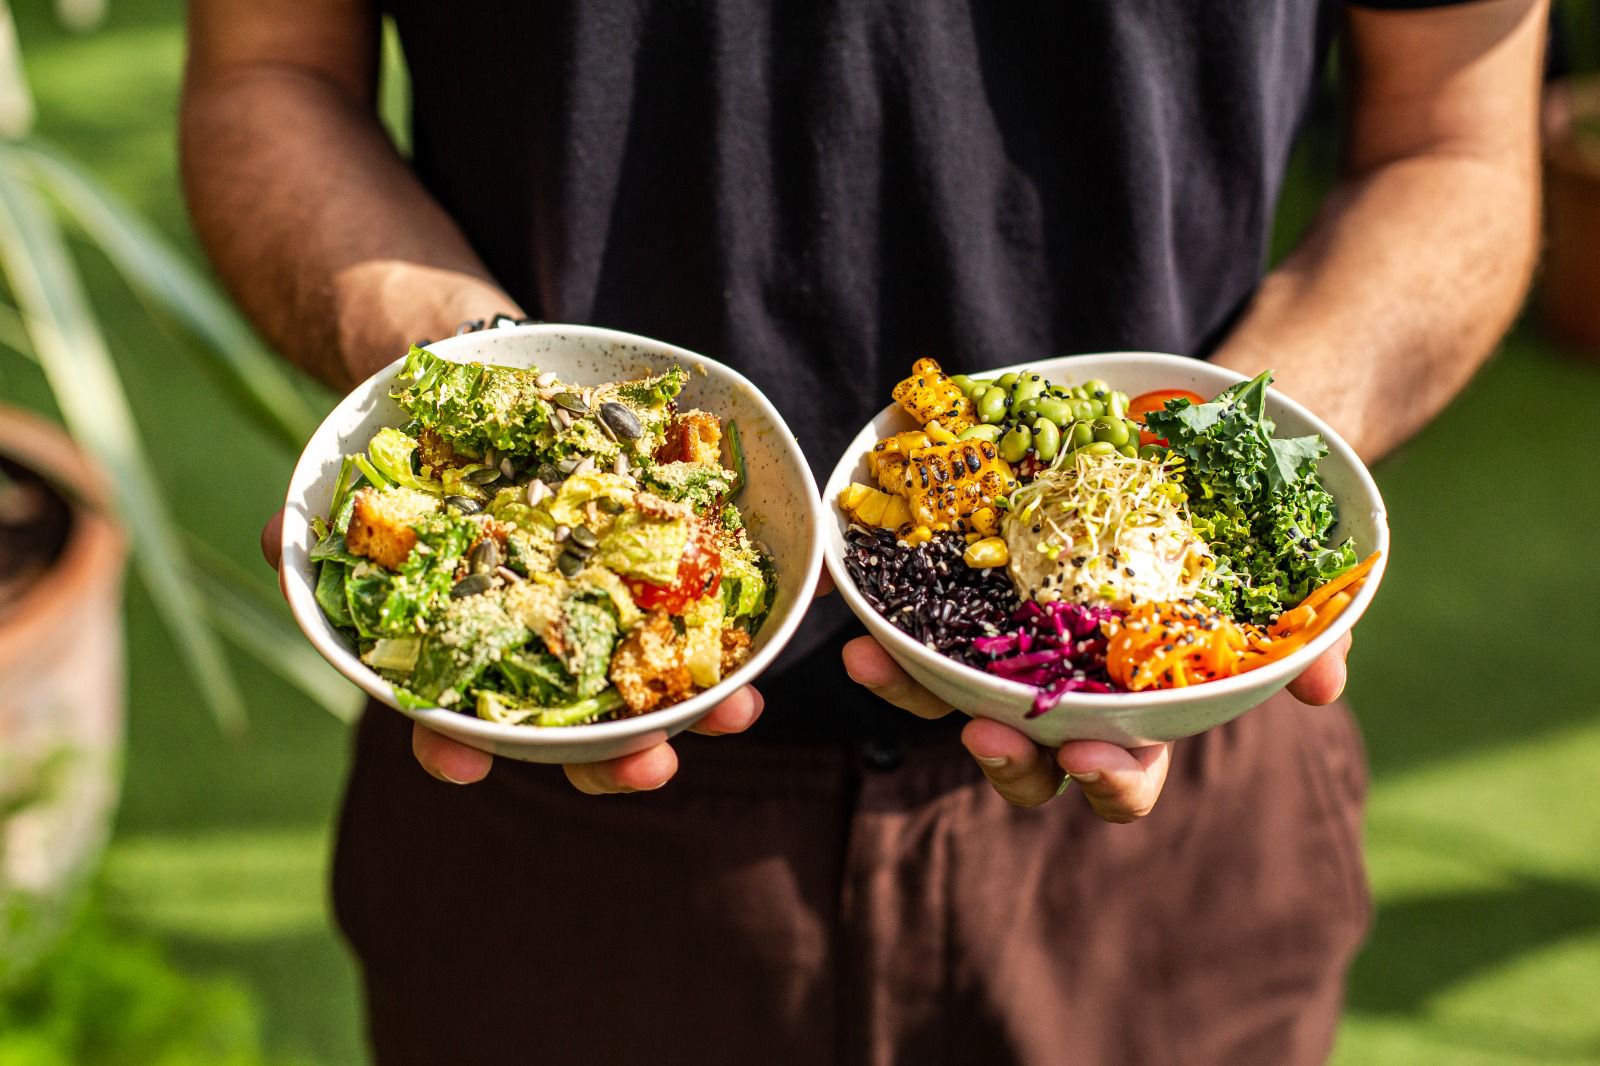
[872, 507]
[953, 486]
[931, 396]
[987, 552]
[887, 459]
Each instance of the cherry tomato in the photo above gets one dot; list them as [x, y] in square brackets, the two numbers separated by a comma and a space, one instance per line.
[1156, 400]
[699, 576]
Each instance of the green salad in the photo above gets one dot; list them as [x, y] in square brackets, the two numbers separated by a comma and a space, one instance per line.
[542, 553]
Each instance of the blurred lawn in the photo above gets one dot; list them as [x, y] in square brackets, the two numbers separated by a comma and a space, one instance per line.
[1483, 727]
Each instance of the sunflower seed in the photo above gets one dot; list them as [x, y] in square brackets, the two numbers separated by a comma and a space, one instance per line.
[464, 504]
[621, 421]
[620, 467]
[491, 456]
[545, 380]
[561, 533]
[471, 585]
[508, 469]
[585, 465]
[567, 466]
[508, 575]
[563, 418]
[537, 491]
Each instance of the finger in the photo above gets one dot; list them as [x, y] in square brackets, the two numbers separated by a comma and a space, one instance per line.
[733, 715]
[870, 666]
[446, 759]
[1019, 769]
[824, 584]
[272, 539]
[639, 772]
[1121, 784]
[1323, 680]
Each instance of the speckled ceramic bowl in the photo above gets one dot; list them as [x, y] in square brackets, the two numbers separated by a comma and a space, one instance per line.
[779, 502]
[1133, 718]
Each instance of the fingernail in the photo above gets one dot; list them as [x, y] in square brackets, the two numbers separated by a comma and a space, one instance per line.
[1090, 778]
[993, 762]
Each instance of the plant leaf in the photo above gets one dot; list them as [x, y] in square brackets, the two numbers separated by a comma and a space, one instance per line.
[258, 622]
[78, 367]
[171, 284]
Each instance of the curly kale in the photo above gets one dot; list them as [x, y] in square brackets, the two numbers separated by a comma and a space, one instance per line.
[1256, 500]
[473, 406]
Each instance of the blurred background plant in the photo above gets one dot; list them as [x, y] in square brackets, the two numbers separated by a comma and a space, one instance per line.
[1479, 706]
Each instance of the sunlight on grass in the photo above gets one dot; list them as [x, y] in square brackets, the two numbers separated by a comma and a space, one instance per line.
[240, 886]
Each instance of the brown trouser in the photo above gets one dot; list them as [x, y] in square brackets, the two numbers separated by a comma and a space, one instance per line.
[818, 904]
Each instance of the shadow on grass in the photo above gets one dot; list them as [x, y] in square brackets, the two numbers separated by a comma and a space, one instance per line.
[1424, 946]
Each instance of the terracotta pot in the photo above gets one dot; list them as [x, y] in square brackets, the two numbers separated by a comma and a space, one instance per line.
[61, 703]
[1569, 293]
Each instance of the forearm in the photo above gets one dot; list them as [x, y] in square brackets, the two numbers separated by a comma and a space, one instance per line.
[1421, 257]
[1400, 291]
[317, 226]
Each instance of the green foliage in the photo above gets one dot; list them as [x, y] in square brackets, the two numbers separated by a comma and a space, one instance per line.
[473, 406]
[1255, 499]
[104, 998]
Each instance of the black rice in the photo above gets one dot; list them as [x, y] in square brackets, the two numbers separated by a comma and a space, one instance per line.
[929, 592]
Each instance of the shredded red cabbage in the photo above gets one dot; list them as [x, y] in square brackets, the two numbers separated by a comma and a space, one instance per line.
[1055, 647]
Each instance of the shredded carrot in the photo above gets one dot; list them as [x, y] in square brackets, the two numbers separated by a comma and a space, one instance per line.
[1180, 643]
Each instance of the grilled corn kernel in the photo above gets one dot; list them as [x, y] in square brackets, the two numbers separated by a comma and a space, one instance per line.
[990, 551]
[953, 486]
[931, 396]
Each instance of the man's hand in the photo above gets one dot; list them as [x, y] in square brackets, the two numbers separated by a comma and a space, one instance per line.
[642, 771]
[1120, 784]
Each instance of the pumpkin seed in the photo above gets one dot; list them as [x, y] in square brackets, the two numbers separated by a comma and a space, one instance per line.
[571, 401]
[584, 537]
[621, 421]
[485, 556]
[609, 506]
[464, 504]
[567, 466]
[471, 585]
[568, 564]
[483, 477]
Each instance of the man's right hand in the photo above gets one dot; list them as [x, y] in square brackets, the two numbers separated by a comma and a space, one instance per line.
[451, 761]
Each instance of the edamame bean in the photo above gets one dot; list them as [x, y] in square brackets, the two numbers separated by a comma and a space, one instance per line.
[1085, 410]
[1014, 445]
[1061, 392]
[1046, 439]
[1096, 389]
[1129, 450]
[976, 386]
[1099, 447]
[988, 433]
[1007, 379]
[1082, 434]
[1057, 411]
[1080, 393]
[962, 382]
[1027, 387]
[1111, 430]
[1134, 429]
[1153, 452]
[1117, 404]
[992, 405]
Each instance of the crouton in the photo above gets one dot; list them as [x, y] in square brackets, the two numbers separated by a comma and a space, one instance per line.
[735, 648]
[650, 668]
[692, 437]
[380, 523]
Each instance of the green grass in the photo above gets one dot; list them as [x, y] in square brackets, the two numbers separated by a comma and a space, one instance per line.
[1474, 676]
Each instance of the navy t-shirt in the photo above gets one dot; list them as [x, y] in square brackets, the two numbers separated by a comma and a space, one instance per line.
[818, 193]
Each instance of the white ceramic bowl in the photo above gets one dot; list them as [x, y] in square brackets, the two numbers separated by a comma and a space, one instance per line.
[1132, 718]
[779, 502]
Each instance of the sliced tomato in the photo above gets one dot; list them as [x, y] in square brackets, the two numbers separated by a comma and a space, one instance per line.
[699, 576]
[1156, 400]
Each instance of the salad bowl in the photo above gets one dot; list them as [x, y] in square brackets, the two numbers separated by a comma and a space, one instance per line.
[779, 501]
[1125, 718]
